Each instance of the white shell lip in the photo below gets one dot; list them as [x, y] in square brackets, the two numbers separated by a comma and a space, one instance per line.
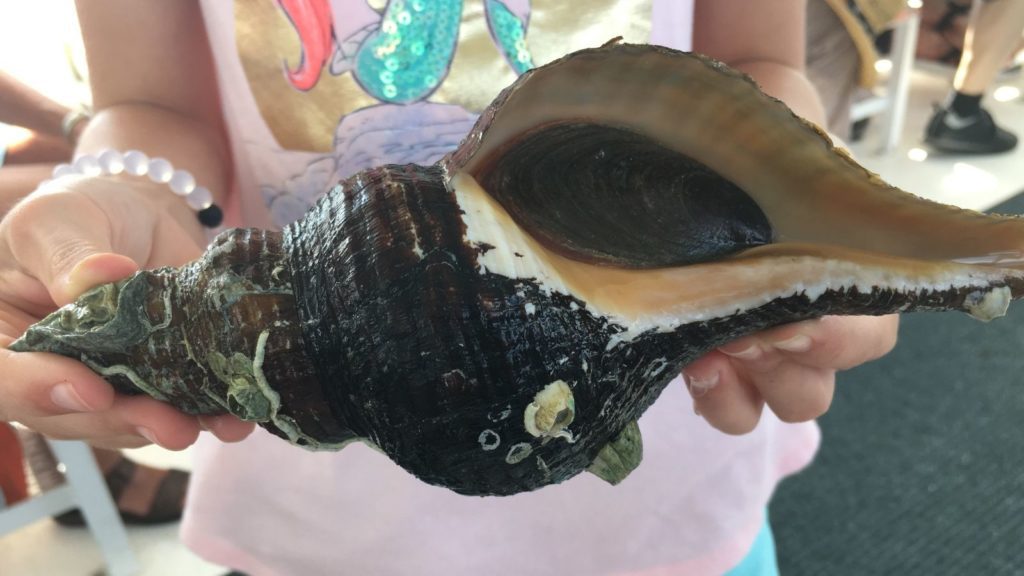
[663, 299]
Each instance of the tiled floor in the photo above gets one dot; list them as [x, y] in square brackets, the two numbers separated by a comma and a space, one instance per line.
[46, 549]
[971, 182]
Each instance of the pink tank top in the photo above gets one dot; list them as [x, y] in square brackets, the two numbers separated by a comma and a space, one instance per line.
[302, 114]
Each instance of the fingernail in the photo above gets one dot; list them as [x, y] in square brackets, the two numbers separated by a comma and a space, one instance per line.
[81, 278]
[209, 424]
[798, 343]
[700, 386]
[65, 396]
[749, 353]
[147, 434]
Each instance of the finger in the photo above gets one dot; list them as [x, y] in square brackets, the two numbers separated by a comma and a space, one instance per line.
[41, 385]
[173, 245]
[727, 401]
[51, 235]
[842, 342]
[119, 442]
[24, 300]
[97, 269]
[772, 362]
[794, 392]
[13, 321]
[227, 428]
[832, 342]
[138, 417]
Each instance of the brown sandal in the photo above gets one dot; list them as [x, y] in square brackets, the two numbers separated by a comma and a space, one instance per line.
[166, 506]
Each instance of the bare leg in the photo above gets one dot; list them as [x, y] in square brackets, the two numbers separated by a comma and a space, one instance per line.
[963, 126]
[943, 27]
[992, 34]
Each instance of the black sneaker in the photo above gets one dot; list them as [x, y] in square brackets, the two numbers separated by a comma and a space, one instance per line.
[977, 134]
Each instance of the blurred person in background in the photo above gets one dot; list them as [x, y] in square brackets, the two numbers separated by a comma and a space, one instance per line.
[962, 125]
[841, 52]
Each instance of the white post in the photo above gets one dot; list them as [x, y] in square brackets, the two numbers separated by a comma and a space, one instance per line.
[98, 508]
[904, 44]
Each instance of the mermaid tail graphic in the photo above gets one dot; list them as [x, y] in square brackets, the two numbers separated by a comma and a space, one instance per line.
[409, 55]
[312, 20]
[509, 33]
[406, 56]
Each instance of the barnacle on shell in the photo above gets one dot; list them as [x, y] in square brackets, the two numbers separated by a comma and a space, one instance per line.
[498, 322]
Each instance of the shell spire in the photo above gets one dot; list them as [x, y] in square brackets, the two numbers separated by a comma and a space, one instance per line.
[499, 321]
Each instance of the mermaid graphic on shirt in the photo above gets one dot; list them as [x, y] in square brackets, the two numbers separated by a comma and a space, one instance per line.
[360, 83]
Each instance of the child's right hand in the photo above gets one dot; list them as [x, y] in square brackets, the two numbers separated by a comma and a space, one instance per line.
[57, 243]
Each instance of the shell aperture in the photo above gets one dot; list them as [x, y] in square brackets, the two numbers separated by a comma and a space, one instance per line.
[666, 210]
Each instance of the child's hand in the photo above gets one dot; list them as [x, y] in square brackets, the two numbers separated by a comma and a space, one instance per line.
[57, 243]
[792, 368]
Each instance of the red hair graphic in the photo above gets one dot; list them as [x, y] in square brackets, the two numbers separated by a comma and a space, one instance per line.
[312, 20]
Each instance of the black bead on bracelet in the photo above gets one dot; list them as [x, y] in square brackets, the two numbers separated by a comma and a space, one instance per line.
[159, 170]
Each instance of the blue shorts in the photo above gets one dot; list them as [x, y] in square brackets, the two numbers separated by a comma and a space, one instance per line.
[760, 561]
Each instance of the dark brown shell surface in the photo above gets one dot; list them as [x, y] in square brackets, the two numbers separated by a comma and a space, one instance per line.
[637, 208]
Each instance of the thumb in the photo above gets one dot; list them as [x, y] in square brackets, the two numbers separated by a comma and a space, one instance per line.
[65, 242]
[93, 270]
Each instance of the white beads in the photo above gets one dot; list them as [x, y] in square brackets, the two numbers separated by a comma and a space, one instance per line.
[200, 198]
[159, 170]
[111, 162]
[87, 166]
[136, 163]
[64, 170]
[182, 182]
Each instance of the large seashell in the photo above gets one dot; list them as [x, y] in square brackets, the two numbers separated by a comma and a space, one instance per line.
[498, 322]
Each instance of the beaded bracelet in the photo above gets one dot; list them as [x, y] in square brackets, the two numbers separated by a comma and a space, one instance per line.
[159, 170]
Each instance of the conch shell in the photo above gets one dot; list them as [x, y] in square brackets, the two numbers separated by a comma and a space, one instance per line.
[498, 321]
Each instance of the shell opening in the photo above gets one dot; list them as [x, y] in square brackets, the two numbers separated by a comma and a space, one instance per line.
[611, 196]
